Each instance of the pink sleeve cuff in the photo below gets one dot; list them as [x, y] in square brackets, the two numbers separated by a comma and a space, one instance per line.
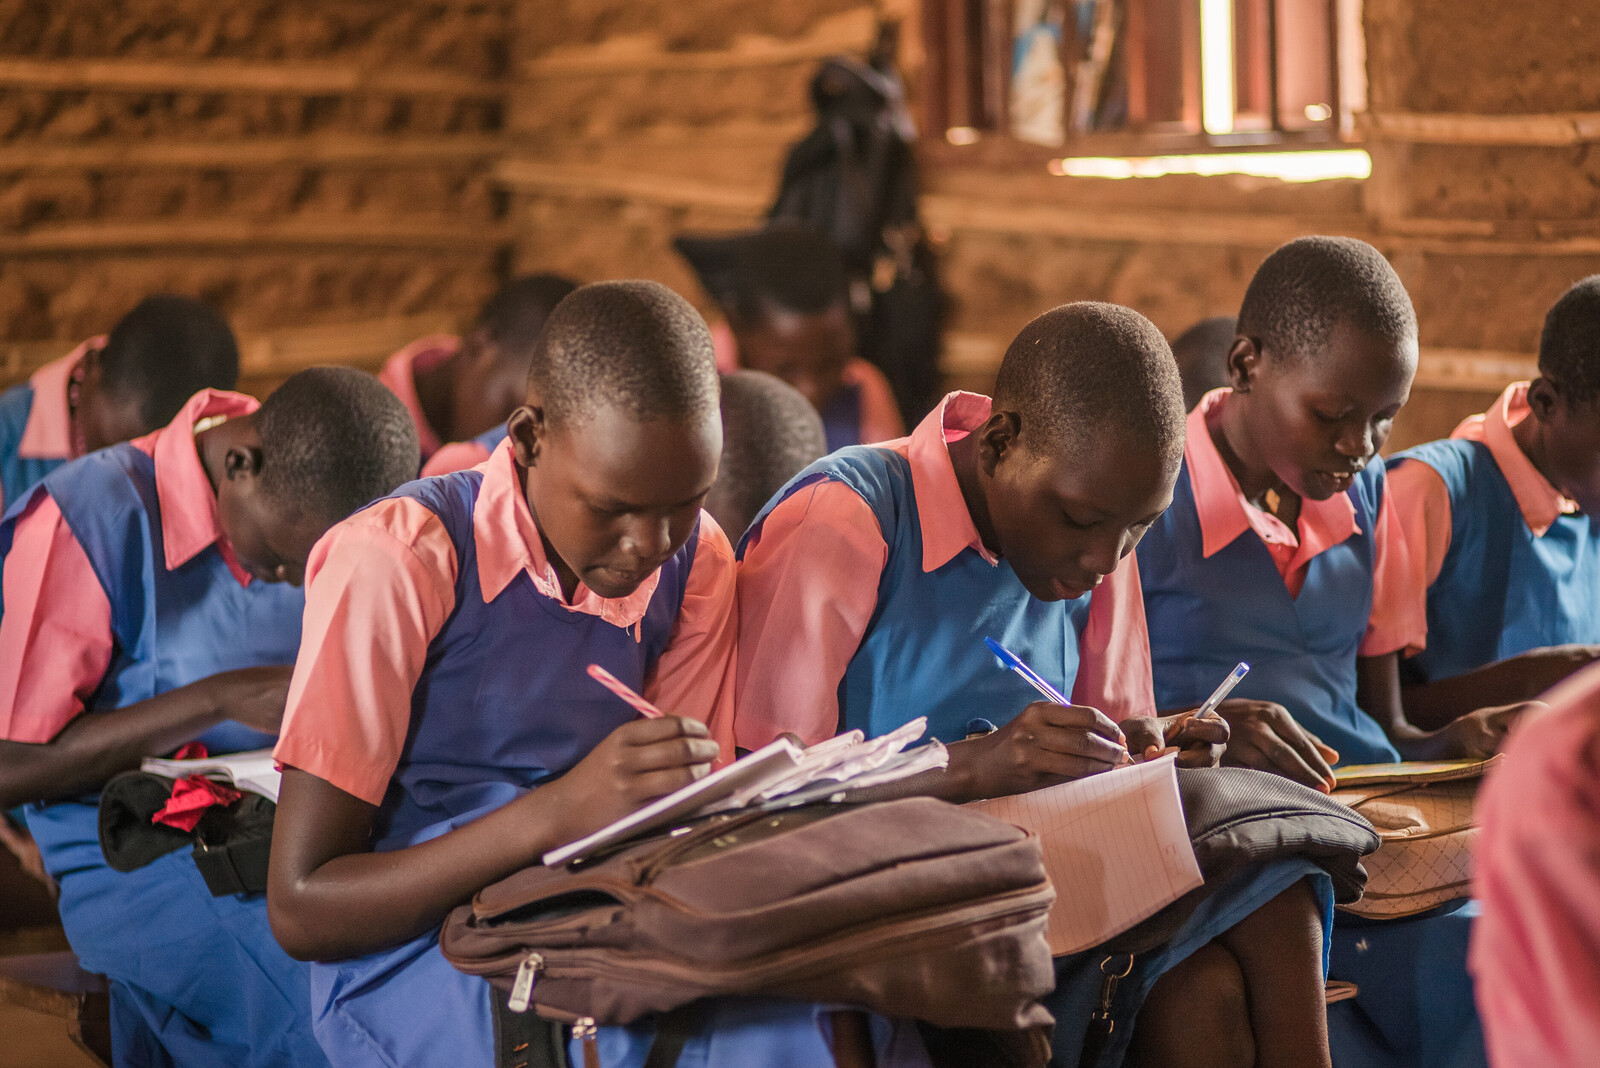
[1114, 671]
[1399, 619]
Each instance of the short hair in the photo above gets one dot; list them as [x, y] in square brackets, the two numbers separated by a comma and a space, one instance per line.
[1569, 344]
[631, 344]
[164, 351]
[770, 432]
[785, 266]
[334, 439]
[1307, 287]
[1202, 355]
[513, 318]
[1082, 369]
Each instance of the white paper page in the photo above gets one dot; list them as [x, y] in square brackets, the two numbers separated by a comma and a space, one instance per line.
[1115, 845]
[764, 765]
[253, 770]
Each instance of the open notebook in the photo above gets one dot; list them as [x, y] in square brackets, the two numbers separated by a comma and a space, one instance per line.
[1116, 847]
[254, 770]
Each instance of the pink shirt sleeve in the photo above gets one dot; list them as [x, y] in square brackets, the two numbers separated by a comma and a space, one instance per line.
[1399, 621]
[807, 590]
[379, 587]
[1114, 672]
[695, 674]
[55, 636]
[1535, 952]
[456, 456]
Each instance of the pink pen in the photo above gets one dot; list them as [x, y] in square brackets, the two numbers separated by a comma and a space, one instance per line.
[621, 689]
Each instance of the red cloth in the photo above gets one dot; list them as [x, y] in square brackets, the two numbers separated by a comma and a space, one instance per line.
[192, 795]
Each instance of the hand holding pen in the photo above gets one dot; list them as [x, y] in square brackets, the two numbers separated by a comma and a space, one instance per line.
[1199, 737]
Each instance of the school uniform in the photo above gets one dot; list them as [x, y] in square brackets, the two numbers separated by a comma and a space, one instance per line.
[460, 455]
[399, 373]
[862, 412]
[36, 424]
[865, 594]
[1223, 582]
[120, 586]
[1502, 560]
[1536, 950]
[441, 677]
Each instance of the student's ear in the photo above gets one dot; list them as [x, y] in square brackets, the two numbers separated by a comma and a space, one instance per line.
[527, 428]
[242, 462]
[1543, 397]
[996, 438]
[1244, 363]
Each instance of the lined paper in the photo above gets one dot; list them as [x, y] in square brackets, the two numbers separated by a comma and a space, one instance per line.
[1116, 847]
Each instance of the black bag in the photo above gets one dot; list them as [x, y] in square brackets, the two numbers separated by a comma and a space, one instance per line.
[230, 844]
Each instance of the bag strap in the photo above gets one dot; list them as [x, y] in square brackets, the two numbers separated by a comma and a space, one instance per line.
[525, 1039]
[673, 1032]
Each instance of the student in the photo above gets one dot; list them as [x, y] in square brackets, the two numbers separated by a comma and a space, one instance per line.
[786, 296]
[113, 388]
[1506, 552]
[457, 388]
[1279, 549]
[769, 433]
[1536, 948]
[441, 731]
[152, 601]
[868, 584]
[1202, 355]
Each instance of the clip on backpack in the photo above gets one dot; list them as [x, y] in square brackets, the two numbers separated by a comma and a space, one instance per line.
[912, 908]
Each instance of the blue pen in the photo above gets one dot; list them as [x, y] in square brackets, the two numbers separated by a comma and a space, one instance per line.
[1210, 707]
[1032, 677]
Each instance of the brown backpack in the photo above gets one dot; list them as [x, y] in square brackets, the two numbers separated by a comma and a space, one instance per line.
[912, 908]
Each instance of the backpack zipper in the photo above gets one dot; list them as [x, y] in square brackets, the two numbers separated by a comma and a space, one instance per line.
[522, 986]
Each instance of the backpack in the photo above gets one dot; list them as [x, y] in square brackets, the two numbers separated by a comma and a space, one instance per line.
[913, 908]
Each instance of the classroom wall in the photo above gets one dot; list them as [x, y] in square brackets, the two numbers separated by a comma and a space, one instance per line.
[322, 171]
[636, 118]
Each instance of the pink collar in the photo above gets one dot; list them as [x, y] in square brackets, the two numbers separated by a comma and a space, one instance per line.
[399, 373]
[947, 526]
[1540, 503]
[1224, 512]
[508, 541]
[47, 435]
[188, 503]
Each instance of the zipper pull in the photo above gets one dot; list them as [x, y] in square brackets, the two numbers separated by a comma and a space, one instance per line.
[522, 987]
[583, 1029]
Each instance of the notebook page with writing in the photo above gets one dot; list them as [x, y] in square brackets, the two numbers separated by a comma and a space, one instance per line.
[1115, 845]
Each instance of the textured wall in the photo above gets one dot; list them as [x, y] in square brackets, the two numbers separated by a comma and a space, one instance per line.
[637, 119]
[302, 164]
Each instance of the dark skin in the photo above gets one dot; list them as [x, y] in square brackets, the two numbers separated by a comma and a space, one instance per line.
[1561, 437]
[808, 351]
[1300, 428]
[104, 417]
[614, 498]
[271, 541]
[472, 391]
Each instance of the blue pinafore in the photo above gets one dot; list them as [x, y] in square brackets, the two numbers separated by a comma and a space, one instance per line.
[841, 418]
[503, 706]
[923, 654]
[1502, 590]
[18, 474]
[195, 979]
[1207, 614]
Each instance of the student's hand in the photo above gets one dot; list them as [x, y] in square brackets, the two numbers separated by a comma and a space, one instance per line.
[1200, 742]
[253, 696]
[1479, 734]
[638, 762]
[1046, 744]
[1265, 737]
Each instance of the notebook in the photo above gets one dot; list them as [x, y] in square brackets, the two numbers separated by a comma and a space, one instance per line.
[254, 770]
[1116, 847]
[1413, 771]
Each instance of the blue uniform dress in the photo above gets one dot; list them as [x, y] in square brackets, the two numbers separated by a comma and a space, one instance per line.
[1502, 589]
[1208, 613]
[841, 419]
[504, 705]
[923, 654]
[195, 979]
[18, 474]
